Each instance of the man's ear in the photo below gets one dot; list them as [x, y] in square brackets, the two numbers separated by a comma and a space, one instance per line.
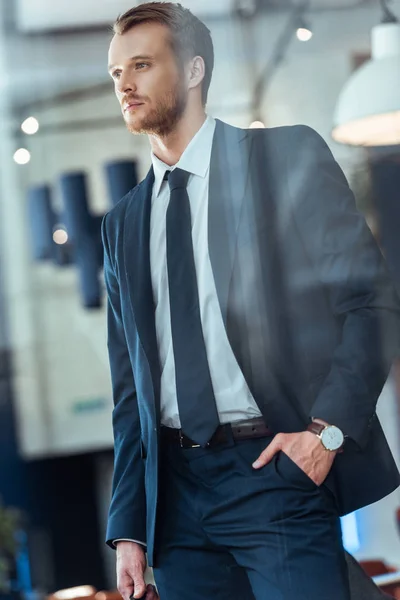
[196, 71]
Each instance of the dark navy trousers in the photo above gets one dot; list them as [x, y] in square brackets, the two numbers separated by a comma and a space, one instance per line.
[228, 532]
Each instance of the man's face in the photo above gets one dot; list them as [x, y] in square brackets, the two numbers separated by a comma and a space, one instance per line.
[149, 84]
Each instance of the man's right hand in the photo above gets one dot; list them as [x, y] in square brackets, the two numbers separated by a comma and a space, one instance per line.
[131, 565]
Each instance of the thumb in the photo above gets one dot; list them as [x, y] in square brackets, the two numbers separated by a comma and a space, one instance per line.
[269, 452]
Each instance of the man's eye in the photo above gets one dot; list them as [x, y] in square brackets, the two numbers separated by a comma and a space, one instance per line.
[141, 65]
[116, 74]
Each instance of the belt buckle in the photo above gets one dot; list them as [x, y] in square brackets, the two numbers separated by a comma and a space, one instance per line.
[181, 442]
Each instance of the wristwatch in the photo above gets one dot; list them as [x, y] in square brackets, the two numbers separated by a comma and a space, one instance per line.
[331, 437]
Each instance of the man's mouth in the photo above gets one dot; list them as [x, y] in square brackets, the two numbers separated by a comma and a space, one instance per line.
[130, 106]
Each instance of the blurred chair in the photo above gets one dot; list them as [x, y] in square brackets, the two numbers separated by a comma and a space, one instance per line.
[386, 577]
[42, 219]
[108, 595]
[121, 177]
[376, 567]
[389, 583]
[81, 592]
[84, 232]
[362, 586]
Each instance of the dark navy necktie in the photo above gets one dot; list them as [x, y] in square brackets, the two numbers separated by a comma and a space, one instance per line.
[196, 401]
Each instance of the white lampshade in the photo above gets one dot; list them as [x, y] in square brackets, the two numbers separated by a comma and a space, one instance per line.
[368, 109]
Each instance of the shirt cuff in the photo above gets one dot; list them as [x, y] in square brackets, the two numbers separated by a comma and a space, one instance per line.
[128, 540]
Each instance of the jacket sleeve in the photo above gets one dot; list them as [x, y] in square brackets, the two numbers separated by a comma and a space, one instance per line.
[127, 514]
[350, 266]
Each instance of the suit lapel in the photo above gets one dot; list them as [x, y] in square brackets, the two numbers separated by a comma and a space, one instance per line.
[137, 266]
[228, 176]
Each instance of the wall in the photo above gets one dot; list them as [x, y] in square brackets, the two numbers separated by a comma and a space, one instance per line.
[60, 348]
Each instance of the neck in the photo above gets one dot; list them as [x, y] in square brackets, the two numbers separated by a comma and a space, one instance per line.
[169, 148]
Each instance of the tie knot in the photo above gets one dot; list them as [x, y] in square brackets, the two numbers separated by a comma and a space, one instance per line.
[178, 178]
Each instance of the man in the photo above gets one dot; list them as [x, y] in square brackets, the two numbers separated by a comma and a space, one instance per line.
[250, 324]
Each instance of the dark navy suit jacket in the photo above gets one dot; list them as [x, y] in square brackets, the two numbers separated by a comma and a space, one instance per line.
[309, 309]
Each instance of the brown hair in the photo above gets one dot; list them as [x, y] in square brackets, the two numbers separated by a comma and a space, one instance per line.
[189, 36]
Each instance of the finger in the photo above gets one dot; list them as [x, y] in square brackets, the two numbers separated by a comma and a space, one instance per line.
[139, 585]
[269, 452]
[125, 586]
[126, 591]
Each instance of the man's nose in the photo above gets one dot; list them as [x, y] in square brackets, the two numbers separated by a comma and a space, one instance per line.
[126, 84]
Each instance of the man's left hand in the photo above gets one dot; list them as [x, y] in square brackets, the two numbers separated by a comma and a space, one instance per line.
[305, 449]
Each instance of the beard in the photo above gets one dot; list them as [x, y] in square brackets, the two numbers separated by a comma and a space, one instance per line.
[162, 119]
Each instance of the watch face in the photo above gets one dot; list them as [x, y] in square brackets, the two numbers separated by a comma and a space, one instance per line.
[332, 438]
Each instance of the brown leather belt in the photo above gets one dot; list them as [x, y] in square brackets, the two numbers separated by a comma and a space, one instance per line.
[239, 430]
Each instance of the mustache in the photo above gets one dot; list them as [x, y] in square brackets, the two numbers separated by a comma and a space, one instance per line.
[130, 99]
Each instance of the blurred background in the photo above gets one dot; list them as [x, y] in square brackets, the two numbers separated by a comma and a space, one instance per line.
[66, 158]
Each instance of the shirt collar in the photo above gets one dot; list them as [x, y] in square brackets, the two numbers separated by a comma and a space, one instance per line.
[195, 159]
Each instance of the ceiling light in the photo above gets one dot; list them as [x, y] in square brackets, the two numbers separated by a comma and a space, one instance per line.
[60, 235]
[304, 34]
[30, 126]
[256, 125]
[22, 156]
[368, 109]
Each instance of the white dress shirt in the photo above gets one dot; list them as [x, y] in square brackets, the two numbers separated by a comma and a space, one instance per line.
[232, 395]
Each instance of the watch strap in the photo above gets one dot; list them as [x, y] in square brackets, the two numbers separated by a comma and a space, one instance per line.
[316, 428]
